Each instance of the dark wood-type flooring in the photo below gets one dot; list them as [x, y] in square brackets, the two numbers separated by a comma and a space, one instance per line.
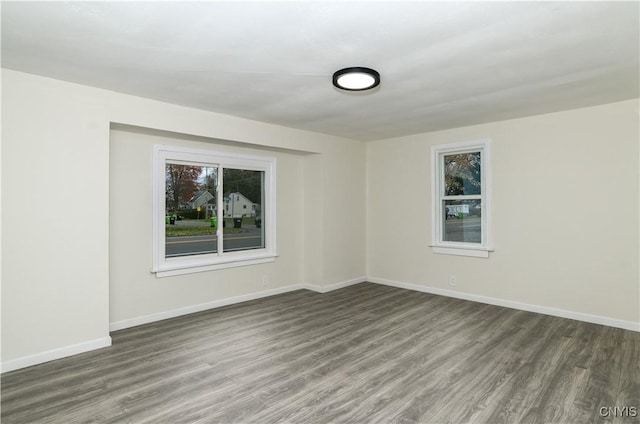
[364, 354]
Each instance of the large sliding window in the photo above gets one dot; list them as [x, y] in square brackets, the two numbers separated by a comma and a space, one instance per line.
[461, 200]
[212, 210]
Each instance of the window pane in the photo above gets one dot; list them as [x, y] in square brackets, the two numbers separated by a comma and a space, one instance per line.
[190, 208]
[462, 174]
[243, 211]
[463, 221]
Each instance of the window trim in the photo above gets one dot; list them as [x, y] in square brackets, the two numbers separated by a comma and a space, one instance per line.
[438, 245]
[164, 267]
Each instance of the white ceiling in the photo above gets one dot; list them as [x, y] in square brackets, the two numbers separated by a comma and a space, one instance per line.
[442, 64]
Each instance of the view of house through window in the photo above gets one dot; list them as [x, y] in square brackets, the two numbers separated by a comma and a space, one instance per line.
[212, 210]
[190, 193]
[192, 217]
[460, 197]
[462, 203]
[244, 191]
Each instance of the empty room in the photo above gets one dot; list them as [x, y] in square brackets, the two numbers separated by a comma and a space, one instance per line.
[320, 212]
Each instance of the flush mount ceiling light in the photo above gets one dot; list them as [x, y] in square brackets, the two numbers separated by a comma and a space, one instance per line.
[356, 79]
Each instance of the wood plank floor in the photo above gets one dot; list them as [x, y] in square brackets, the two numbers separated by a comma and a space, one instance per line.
[364, 354]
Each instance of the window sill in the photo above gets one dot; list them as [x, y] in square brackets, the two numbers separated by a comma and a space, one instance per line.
[173, 269]
[474, 252]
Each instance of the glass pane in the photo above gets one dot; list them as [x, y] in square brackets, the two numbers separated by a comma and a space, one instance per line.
[462, 174]
[190, 210]
[463, 221]
[243, 212]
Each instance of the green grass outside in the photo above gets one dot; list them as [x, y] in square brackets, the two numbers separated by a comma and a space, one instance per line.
[183, 231]
[174, 231]
[245, 220]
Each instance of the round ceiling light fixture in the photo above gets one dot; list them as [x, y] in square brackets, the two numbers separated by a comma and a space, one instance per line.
[356, 78]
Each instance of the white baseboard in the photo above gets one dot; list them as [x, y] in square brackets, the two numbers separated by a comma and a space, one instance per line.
[120, 325]
[594, 319]
[42, 357]
[342, 284]
[146, 319]
[59, 353]
[50, 355]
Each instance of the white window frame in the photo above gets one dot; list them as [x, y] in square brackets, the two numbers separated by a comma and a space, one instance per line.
[163, 266]
[438, 245]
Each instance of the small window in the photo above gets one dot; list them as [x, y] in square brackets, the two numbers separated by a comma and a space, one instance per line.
[191, 238]
[460, 199]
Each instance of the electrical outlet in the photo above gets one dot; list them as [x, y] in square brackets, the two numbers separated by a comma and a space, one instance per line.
[453, 280]
[265, 280]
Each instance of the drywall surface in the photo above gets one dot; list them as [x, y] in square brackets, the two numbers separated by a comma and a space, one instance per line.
[56, 171]
[344, 244]
[136, 291]
[55, 242]
[565, 213]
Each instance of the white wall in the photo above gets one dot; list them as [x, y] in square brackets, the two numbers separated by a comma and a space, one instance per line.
[136, 292]
[565, 202]
[345, 221]
[55, 241]
[55, 275]
[572, 246]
